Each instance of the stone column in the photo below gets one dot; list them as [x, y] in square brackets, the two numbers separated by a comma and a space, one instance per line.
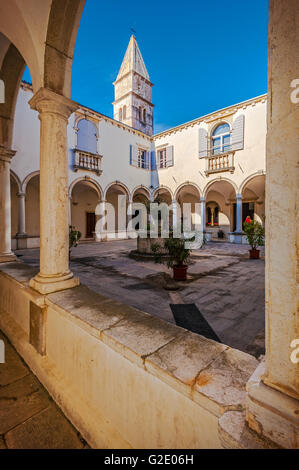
[21, 218]
[5, 205]
[54, 111]
[129, 217]
[203, 214]
[70, 210]
[239, 214]
[174, 213]
[273, 394]
[100, 232]
[239, 229]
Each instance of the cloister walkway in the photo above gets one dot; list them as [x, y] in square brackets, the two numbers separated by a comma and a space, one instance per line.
[223, 283]
[29, 418]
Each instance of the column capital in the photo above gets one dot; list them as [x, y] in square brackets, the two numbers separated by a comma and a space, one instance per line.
[238, 196]
[21, 194]
[6, 154]
[202, 199]
[47, 101]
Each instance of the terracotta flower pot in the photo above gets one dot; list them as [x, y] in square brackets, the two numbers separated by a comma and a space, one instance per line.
[254, 254]
[180, 273]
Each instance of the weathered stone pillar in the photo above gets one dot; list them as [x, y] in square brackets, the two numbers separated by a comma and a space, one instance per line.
[5, 205]
[129, 218]
[273, 395]
[239, 228]
[203, 214]
[54, 111]
[21, 215]
[174, 206]
[239, 213]
[101, 234]
[70, 210]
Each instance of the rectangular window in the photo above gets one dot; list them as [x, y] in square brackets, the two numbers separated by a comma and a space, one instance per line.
[142, 163]
[162, 158]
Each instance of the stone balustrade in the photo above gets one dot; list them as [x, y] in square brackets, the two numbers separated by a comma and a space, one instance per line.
[219, 163]
[87, 161]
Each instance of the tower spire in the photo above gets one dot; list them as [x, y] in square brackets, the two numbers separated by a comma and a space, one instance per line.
[133, 91]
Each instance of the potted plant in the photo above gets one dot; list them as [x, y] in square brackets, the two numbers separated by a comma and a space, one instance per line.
[177, 257]
[74, 237]
[254, 233]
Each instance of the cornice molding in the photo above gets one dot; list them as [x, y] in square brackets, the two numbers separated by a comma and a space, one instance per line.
[220, 114]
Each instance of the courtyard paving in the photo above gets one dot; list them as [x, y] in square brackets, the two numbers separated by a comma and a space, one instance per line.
[223, 283]
[29, 418]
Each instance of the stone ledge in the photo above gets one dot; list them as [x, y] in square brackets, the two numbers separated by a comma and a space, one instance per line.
[235, 434]
[211, 374]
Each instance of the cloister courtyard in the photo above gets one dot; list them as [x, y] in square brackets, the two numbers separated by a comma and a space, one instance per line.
[226, 287]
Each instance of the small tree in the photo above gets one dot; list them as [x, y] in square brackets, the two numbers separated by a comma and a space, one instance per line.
[177, 254]
[254, 233]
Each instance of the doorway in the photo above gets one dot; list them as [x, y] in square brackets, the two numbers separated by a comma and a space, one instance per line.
[90, 224]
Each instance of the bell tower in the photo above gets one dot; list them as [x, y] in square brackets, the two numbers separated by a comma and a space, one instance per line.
[133, 91]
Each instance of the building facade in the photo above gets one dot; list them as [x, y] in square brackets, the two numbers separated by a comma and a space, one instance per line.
[216, 162]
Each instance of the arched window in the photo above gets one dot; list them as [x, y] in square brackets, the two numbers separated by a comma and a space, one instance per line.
[212, 214]
[221, 139]
[120, 114]
[124, 112]
[140, 113]
[87, 136]
[144, 115]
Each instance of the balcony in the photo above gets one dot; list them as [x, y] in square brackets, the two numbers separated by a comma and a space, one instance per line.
[87, 161]
[220, 162]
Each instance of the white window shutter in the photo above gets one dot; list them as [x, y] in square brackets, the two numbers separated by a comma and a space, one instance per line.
[238, 133]
[203, 143]
[169, 156]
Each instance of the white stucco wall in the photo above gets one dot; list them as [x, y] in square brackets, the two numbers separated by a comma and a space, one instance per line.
[115, 139]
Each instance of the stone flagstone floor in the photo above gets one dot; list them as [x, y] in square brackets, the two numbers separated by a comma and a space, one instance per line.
[225, 285]
[29, 418]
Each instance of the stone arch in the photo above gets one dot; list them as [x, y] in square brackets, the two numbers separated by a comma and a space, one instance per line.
[92, 182]
[85, 195]
[221, 191]
[249, 178]
[187, 183]
[28, 178]
[15, 188]
[118, 183]
[252, 190]
[220, 178]
[164, 189]
[143, 189]
[188, 196]
[63, 24]
[117, 209]
[17, 180]
[11, 72]
[31, 186]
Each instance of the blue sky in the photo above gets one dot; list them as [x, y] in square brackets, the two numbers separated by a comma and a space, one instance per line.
[201, 55]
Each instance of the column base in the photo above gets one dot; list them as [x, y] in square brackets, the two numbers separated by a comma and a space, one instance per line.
[7, 257]
[238, 237]
[48, 285]
[272, 414]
